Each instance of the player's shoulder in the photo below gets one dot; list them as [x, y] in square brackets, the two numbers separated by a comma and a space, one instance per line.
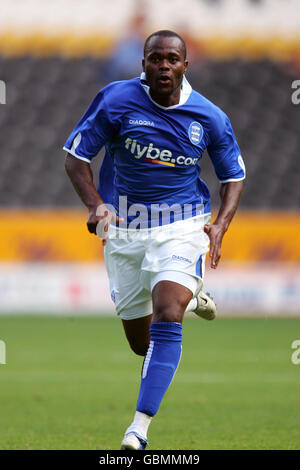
[120, 90]
[207, 107]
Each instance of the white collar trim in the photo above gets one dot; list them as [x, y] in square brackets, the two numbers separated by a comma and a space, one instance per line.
[185, 92]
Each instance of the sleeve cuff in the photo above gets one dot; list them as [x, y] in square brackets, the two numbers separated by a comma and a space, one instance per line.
[232, 180]
[77, 156]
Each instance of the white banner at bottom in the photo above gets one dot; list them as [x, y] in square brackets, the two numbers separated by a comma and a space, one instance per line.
[37, 288]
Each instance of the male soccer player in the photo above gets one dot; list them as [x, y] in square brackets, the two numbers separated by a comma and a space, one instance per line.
[155, 224]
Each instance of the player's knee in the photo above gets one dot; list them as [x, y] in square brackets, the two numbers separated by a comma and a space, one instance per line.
[171, 312]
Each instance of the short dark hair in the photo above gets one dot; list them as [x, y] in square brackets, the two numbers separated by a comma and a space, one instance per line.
[166, 34]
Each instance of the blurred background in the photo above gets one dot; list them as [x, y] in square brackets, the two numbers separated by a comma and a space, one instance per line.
[244, 55]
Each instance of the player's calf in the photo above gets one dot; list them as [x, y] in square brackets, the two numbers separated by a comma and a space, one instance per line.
[139, 349]
[137, 332]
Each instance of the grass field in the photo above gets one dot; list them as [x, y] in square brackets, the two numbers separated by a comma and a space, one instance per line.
[72, 383]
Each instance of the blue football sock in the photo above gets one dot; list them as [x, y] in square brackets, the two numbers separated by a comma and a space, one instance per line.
[160, 365]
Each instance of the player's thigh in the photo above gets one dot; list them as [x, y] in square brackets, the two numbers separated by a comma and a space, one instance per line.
[177, 254]
[137, 332]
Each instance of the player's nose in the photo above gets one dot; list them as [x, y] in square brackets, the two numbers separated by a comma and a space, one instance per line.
[164, 65]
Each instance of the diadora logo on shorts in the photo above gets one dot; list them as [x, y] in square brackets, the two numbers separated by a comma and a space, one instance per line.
[181, 258]
[155, 155]
[195, 133]
[141, 122]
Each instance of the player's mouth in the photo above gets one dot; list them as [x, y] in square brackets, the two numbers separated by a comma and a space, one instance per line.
[164, 80]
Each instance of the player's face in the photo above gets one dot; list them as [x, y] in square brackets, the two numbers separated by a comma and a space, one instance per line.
[164, 66]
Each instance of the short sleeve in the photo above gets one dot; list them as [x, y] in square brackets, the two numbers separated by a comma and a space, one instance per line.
[93, 131]
[224, 151]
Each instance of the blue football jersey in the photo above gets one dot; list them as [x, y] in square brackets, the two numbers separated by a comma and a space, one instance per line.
[153, 152]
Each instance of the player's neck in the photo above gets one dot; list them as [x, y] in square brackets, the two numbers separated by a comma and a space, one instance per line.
[166, 100]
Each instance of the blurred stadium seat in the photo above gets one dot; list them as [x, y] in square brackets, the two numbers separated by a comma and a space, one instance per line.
[46, 96]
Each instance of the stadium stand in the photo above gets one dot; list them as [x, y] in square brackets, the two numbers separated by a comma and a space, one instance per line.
[46, 96]
[55, 56]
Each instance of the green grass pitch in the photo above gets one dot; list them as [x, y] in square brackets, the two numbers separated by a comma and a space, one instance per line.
[72, 383]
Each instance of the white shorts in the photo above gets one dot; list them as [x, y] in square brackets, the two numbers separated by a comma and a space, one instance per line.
[137, 260]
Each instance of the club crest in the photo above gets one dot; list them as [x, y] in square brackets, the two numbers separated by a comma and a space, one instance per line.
[195, 133]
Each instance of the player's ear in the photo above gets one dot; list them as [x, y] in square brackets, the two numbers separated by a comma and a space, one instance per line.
[143, 65]
[185, 65]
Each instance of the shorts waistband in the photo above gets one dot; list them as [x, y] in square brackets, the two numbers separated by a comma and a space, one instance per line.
[191, 220]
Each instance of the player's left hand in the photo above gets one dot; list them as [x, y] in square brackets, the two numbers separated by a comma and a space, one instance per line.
[99, 219]
[216, 233]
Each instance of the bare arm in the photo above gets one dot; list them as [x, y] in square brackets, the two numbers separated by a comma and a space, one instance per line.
[230, 194]
[81, 176]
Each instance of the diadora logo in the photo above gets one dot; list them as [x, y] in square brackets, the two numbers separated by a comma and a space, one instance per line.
[141, 122]
[195, 133]
[155, 155]
[181, 258]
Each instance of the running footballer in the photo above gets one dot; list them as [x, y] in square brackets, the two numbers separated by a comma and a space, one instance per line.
[151, 208]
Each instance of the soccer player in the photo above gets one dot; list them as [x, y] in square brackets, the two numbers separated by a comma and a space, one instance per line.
[151, 209]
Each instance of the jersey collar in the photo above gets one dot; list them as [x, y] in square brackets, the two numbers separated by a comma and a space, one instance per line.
[186, 90]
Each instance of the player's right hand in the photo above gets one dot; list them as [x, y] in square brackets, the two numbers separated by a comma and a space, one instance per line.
[99, 219]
